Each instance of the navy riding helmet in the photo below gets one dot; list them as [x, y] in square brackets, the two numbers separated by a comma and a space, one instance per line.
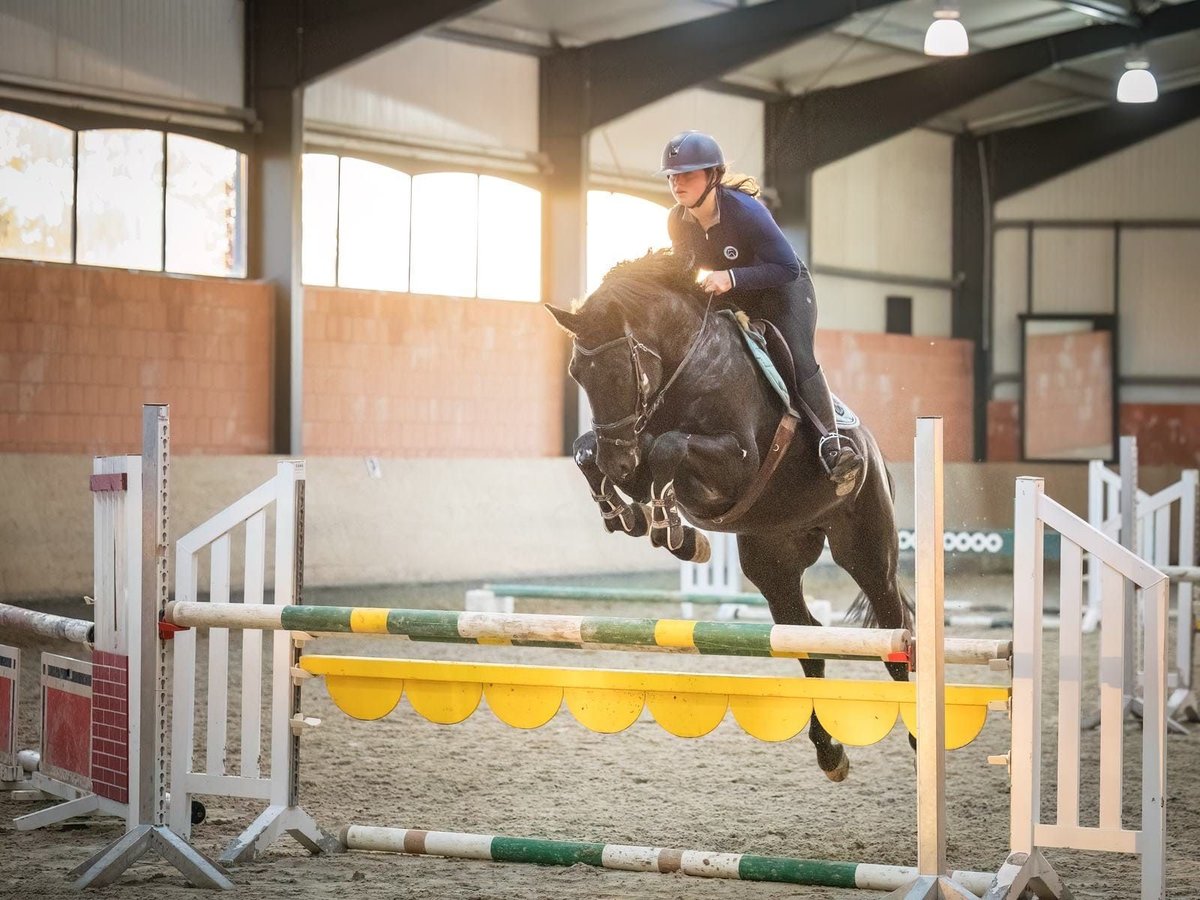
[690, 151]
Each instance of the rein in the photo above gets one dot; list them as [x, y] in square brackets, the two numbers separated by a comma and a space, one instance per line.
[646, 405]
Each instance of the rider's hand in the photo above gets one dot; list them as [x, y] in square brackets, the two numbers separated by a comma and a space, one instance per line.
[717, 282]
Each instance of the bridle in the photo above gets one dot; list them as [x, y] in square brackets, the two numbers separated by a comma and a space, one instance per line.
[647, 404]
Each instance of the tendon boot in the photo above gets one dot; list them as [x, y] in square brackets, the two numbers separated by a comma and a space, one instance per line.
[839, 457]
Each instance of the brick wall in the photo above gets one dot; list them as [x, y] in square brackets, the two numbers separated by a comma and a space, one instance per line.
[891, 379]
[411, 375]
[1168, 433]
[82, 348]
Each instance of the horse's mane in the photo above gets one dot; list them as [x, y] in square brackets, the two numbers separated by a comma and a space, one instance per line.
[630, 286]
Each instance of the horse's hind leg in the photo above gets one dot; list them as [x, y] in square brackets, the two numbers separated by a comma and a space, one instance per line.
[617, 514]
[776, 564]
[866, 547]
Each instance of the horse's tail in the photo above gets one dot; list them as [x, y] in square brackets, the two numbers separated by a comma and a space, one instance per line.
[862, 612]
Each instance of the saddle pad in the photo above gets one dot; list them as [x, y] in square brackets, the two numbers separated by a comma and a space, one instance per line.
[843, 415]
[758, 352]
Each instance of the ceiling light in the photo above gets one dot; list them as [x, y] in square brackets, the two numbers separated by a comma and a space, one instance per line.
[946, 35]
[1137, 85]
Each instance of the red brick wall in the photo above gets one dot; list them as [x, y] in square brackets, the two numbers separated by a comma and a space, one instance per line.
[411, 375]
[1168, 433]
[82, 348]
[891, 379]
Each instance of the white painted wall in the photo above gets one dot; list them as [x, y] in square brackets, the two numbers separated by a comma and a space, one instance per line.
[1155, 179]
[434, 90]
[632, 145]
[850, 304]
[1160, 303]
[181, 50]
[887, 208]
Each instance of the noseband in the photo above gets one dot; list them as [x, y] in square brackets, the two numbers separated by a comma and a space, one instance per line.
[647, 404]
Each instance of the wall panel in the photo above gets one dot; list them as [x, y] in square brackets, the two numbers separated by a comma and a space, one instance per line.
[1160, 314]
[1009, 290]
[887, 208]
[439, 91]
[1073, 270]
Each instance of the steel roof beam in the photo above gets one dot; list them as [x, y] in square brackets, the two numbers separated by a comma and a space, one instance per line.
[337, 33]
[1024, 157]
[625, 74]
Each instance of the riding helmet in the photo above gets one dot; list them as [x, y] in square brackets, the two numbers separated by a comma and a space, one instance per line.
[690, 151]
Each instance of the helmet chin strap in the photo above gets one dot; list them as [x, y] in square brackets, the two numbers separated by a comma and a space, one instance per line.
[713, 181]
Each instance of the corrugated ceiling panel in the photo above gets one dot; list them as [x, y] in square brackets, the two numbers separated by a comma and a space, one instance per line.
[887, 208]
[1152, 180]
[633, 144]
[184, 49]
[436, 90]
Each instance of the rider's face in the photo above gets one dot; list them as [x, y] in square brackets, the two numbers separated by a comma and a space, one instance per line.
[688, 186]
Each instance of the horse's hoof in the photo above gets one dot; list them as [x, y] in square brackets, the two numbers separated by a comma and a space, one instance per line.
[703, 550]
[839, 772]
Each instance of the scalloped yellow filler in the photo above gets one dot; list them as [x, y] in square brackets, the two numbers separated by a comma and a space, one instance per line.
[364, 698]
[687, 715]
[607, 700]
[523, 705]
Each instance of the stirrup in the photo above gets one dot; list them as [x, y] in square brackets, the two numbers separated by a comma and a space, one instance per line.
[840, 442]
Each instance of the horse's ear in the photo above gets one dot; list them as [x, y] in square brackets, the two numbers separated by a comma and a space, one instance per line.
[569, 321]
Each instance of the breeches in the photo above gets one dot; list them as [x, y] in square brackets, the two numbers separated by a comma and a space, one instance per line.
[793, 310]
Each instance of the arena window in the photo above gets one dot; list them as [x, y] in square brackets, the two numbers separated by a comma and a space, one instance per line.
[621, 226]
[37, 174]
[205, 208]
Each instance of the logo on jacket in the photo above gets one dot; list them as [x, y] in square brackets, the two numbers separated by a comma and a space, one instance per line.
[731, 253]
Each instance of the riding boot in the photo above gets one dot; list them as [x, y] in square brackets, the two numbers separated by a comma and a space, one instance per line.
[839, 457]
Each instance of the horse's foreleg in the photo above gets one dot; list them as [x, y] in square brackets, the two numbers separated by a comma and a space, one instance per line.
[667, 528]
[633, 519]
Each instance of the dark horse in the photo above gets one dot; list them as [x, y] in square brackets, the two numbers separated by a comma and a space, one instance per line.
[682, 422]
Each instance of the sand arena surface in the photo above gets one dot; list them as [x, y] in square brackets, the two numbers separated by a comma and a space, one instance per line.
[723, 792]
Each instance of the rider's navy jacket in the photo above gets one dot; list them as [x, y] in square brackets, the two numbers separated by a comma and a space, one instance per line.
[746, 242]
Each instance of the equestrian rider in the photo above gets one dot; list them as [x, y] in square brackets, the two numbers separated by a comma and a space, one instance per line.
[726, 230]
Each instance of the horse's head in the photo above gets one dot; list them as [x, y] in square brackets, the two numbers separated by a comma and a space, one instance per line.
[622, 333]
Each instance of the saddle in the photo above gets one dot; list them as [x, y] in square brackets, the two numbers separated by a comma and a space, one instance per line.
[766, 339]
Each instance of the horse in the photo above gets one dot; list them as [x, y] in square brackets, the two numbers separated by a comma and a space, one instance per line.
[683, 421]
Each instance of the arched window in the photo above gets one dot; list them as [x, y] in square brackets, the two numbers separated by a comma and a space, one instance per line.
[445, 233]
[510, 240]
[319, 218]
[37, 171]
[205, 208]
[373, 206]
[619, 227]
[119, 217]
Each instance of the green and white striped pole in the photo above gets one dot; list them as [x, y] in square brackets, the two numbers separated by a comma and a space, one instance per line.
[697, 863]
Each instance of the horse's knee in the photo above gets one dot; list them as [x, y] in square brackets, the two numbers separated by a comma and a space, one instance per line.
[584, 449]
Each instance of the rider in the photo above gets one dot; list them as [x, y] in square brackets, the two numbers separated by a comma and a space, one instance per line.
[721, 224]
